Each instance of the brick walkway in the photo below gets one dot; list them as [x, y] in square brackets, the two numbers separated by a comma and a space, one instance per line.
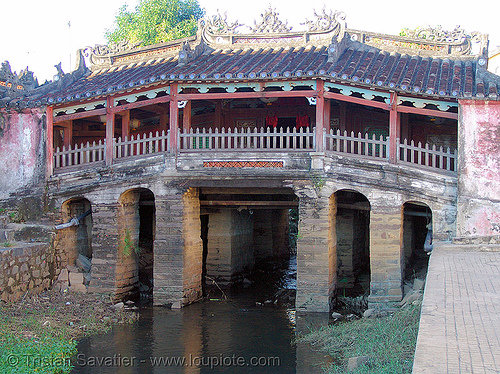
[460, 322]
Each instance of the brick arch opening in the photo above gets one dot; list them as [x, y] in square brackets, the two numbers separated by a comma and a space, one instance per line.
[75, 240]
[417, 225]
[352, 243]
[136, 233]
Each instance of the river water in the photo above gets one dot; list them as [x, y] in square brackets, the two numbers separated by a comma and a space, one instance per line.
[235, 335]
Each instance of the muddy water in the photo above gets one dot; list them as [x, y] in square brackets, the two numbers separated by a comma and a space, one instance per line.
[236, 335]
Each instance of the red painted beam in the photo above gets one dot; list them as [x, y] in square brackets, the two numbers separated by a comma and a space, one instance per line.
[394, 129]
[73, 116]
[320, 116]
[247, 95]
[356, 100]
[427, 112]
[139, 104]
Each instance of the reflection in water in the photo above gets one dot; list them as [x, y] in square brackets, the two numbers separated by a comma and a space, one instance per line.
[230, 336]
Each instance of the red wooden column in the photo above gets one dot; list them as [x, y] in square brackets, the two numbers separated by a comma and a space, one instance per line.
[326, 116]
[126, 125]
[186, 117]
[110, 130]
[218, 115]
[394, 129]
[320, 113]
[50, 140]
[174, 117]
[68, 133]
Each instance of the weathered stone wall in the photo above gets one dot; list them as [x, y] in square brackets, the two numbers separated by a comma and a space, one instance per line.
[22, 150]
[479, 169]
[26, 268]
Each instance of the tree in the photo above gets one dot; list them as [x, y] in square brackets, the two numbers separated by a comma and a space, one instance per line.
[156, 21]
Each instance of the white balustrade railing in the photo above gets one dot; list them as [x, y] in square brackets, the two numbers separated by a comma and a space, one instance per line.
[428, 155]
[335, 141]
[138, 146]
[259, 140]
[85, 153]
[250, 140]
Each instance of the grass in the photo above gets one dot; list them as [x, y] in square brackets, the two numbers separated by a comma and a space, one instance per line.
[389, 342]
[39, 334]
[26, 346]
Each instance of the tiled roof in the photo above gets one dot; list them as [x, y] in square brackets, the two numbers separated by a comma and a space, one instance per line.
[337, 54]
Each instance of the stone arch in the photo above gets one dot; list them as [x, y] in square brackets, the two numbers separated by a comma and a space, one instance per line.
[74, 244]
[417, 224]
[350, 228]
[136, 233]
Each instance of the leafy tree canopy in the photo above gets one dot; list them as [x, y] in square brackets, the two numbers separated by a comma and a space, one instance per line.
[156, 21]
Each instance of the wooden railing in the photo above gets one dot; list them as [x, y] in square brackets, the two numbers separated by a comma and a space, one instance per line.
[259, 140]
[360, 145]
[80, 155]
[428, 155]
[138, 146]
[247, 140]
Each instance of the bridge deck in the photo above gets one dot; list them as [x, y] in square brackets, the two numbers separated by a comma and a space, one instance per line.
[460, 322]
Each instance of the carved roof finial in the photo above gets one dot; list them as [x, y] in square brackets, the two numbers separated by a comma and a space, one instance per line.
[270, 23]
[218, 24]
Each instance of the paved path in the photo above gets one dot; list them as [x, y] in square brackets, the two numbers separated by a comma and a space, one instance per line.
[460, 322]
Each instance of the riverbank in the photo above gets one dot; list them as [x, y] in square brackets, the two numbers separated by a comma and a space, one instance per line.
[39, 333]
[371, 345]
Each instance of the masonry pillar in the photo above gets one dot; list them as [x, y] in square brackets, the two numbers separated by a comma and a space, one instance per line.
[230, 245]
[385, 250]
[315, 266]
[127, 264]
[104, 247]
[178, 248]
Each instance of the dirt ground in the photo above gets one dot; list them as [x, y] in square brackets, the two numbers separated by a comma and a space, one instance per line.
[64, 314]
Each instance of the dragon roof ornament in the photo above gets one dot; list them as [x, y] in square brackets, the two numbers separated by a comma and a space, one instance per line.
[326, 21]
[100, 52]
[270, 23]
[217, 24]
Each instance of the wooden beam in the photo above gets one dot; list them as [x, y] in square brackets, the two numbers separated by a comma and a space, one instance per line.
[79, 115]
[356, 100]
[50, 140]
[427, 112]
[250, 203]
[247, 95]
[110, 130]
[245, 191]
[140, 104]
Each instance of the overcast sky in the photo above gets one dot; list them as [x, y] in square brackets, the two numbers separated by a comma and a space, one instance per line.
[36, 33]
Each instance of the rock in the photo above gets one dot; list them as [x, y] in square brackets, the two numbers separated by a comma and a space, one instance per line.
[410, 298]
[418, 284]
[119, 305]
[247, 281]
[129, 302]
[268, 302]
[355, 363]
[370, 313]
[336, 315]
